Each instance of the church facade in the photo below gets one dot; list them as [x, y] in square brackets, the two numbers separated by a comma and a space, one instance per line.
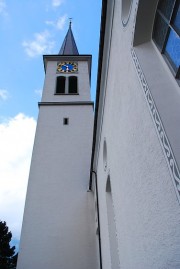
[136, 144]
[108, 196]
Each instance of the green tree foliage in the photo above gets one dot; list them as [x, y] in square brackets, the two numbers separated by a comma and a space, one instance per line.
[8, 258]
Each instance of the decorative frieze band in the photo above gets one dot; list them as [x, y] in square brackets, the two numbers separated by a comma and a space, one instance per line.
[173, 167]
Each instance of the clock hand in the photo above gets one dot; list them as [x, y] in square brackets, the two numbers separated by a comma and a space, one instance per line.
[67, 67]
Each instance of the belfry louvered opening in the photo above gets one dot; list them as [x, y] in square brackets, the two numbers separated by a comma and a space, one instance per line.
[60, 84]
[66, 85]
[72, 84]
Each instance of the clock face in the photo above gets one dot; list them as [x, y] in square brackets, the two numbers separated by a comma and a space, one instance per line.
[67, 67]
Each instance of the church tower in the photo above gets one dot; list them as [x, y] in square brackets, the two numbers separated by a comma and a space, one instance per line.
[58, 229]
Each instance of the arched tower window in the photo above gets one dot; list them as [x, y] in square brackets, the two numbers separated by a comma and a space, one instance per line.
[166, 32]
[73, 84]
[60, 84]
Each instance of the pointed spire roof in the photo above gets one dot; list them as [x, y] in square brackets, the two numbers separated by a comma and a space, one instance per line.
[69, 45]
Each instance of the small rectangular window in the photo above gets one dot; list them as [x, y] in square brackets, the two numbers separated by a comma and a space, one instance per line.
[66, 121]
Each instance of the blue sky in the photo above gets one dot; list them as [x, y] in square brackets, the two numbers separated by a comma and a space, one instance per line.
[29, 29]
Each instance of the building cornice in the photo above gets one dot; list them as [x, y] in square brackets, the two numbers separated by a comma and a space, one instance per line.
[80, 103]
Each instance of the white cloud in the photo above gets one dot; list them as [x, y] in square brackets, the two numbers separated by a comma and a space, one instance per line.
[16, 140]
[57, 3]
[38, 92]
[3, 7]
[4, 95]
[59, 24]
[40, 45]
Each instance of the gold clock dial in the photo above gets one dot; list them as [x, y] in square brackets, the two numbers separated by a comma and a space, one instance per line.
[67, 67]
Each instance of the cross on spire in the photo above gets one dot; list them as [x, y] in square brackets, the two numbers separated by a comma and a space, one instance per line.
[70, 21]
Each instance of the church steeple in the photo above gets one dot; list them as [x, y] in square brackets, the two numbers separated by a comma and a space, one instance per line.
[64, 129]
[69, 45]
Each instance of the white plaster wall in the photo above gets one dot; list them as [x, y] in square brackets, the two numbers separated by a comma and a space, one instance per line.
[58, 228]
[50, 83]
[147, 212]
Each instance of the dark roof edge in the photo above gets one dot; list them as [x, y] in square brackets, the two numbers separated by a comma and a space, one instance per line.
[66, 55]
[100, 59]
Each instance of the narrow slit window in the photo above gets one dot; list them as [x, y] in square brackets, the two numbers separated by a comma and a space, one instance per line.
[113, 241]
[66, 121]
[60, 84]
[73, 84]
